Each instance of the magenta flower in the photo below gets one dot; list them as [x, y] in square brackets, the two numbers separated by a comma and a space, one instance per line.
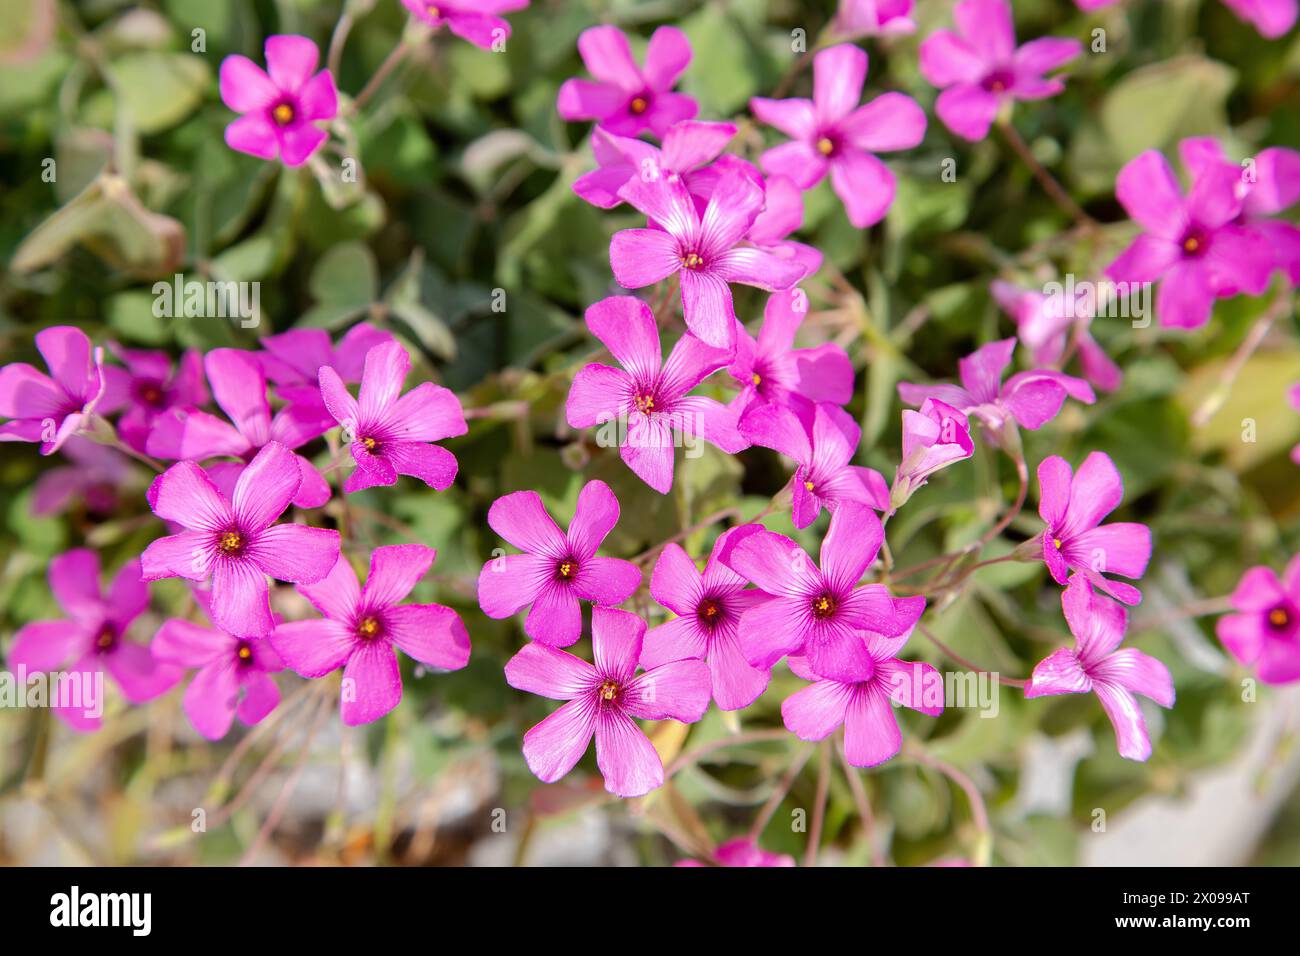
[1045, 323]
[934, 437]
[782, 214]
[361, 626]
[391, 436]
[1031, 399]
[234, 673]
[864, 703]
[95, 476]
[150, 387]
[1272, 18]
[1265, 631]
[281, 106]
[477, 21]
[556, 569]
[742, 851]
[870, 18]
[51, 410]
[708, 608]
[700, 249]
[1269, 185]
[647, 401]
[293, 359]
[239, 388]
[832, 133]
[624, 98]
[979, 68]
[92, 637]
[814, 611]
[688, 148]
[235, 541]
[603, 699]
[821, 440]
[771, 370]
[1095, 665]
[1072, 506]
[1192, 245]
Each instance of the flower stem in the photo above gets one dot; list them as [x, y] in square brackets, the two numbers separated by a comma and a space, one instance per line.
[819, 804]
[1045, 179]
[391, 62]
[962, 662]
[860, 798]
[782, 789]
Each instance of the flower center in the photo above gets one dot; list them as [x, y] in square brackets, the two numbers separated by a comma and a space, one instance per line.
[638, 105]
[758, 379]
[809, 485]
[368, 628]
[150, 393]
[608, 691]
[693, 260]
[1056, 543]
[823, 606]
[709, 612]
[283, 114]
[432, 10]
[567, 569]
[106, 640]
[825, 145]
[231, 543]
[1279, 618]
[245, 653]
[999, 81]
[645, 404]
[1195, 243]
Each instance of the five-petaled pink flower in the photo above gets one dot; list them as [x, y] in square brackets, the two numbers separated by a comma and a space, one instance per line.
[93, 638]
[770, 369]
[477, 21]
[708, 608]
[700, 249]
[149, 387]
[233, 673]
[817, 611]
[979, 68]
[648, 399]
[361, 626]
[1193, 246]
[742, 851]
[864, 701]
[857, 18]
[391, 435]
[1265, 631]
[603, 699]
[1073, 505]
[239, 388]
[821, 440]
[235, 541]
[1031, 399]
[282, 105]
[687, 151]
[51, 410]
[1094, 664]
[556, 569]
[624, 98]
[1045, 323]
[832, 133]
[934, 437]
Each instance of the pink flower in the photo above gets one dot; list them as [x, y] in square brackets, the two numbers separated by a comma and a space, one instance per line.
[1031, 399]
[361, 626]
[51, 410]
[235, 541]
[474, 20]
[875, 18]
[934, 437]
[280, 110]
[1045, 323]
[817, 611]
[708, 608]
[1265, 631]
[1272, 18]
[390, 436]
[1072, 506]
[742, 851]
[293, 359]
[556, 570]
[95, 476]
[92, 637]
[782, 214]
[149, 387]
[1095, 665]
[648, 399]
[700, 249]
[687, 150]
[1267, 186]
[603, 700]
[822, 440]
[1192, 245]
[979, 67]
[832, 133]
[239, 388]
[771, 370]
[624, 98]
[234, 673]
[864, 703]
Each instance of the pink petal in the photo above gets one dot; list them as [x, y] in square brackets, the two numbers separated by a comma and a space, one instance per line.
[1138, 673]
[796, 160]
[616, 638]
[666, 57]
[594, 518]
[736, 684]
[678, 690]
[261, 696]
[968, 110]
[313, 648]
[987, 26]
[187, 555]
[211, 698]
[627, 760]
[381, 382]
[556, 616]
[395, 569]
[295, 552]
[253, 134]
[947, 59]
[642, 257]
[1058, 673]
[814, 712]
[871, 734]
[266, 487]
[1147, 189]
[291, 60]
[838, 75]
[1126, 717]
[553, 747]
[549, 672]
[239, 598]
[432, 464]
[890, 122]
[372, 684]
[245, 88]
[430, 633]
[607, 56]
[46, 645]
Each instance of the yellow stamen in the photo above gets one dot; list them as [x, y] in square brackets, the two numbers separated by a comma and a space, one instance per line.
[1191, 244]
[231, 542]
[1279, 617]
[1056, 542]
[692, 260]
[638, 105]
[246, 653]
[825, 146]
[645, 404]
[368, 627]
[568, 569]
[283, 114]
[758, 379]
[608, 690]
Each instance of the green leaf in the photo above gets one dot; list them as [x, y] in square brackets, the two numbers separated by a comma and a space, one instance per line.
[160, 89]
[1155, 106]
